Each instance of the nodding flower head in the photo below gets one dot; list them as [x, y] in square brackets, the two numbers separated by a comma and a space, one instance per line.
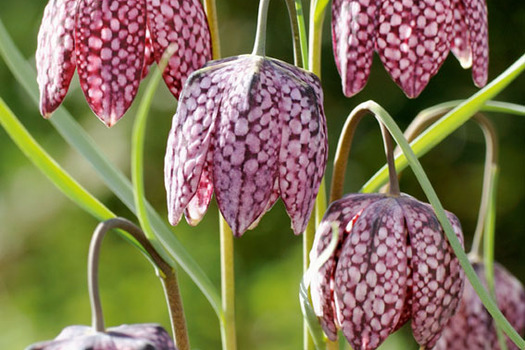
[472, 327]
[250, 129]
[125, 337]
[412, 38]
[392, 264]
[111, 43]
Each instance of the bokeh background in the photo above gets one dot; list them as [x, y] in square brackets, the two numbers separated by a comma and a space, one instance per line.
[44, 237]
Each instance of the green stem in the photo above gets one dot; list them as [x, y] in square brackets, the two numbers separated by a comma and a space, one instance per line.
[229, 338]
[260, 35]
[213, 23]
[79, 140]
[450, 122]
[308, 241]
[294, 24]
[489, 304]
[174, 301]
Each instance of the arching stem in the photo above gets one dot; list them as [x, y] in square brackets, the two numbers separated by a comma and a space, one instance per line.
[166, 272]
[211, 13]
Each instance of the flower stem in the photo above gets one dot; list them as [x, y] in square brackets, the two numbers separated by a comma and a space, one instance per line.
[167, 274]
[260, 36]
[211, 13]
[295, 10]
[389, 151]
[229, 339]
[308, 241]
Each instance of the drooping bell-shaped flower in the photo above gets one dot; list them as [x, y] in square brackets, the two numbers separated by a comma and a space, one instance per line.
[472, 327]
[111, 43]
[412, 38]
[125, 337]
[249, 128]
[392, 264]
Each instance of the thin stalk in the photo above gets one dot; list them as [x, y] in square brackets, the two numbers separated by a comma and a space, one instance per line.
[168, 245]
[175, 305]
[454, 242]
[169, 279]
[389, 151]
[308, 241]
[450, 122]
[259, 45]
[228, 332]
[296, 32]
[213, 23]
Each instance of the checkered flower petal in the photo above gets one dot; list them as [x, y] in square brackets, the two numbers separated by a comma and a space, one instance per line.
[112, 43]
[258, 111]
[55, 54]
[472, 327]
[393, 263]
[124, 337]
[412, 38]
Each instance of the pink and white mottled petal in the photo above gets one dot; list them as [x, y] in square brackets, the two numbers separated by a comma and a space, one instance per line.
[370, 276]
[55, 53]
[353, 38]
[273, 198]
[110, 43]
[189, 141]
[184, 24]
[412, 40]
[459, 40]
[343, 213]
[198, 205]
[247, 143]
[436, 274]
[303, 148]
[477, 21]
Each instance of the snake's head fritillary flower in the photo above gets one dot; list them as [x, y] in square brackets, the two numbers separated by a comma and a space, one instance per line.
[250, 129]
[392, 264]
[111, 43]
[125, 337]
[412, 38]
[472, 327]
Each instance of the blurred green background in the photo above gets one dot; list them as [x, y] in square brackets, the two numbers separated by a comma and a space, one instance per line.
[44, 237]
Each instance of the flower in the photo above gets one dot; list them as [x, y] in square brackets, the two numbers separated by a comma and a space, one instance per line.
[111, 43]
[472, 327]
[125, 337]
[249, 128]
[412, 38]
[392, 263]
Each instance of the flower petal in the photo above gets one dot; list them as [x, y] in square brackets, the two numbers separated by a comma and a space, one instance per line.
[476, 11]
[436, 274]
[459, 40]
[303, 153]
[343, 213]
[370, 276]
[353, 38]
[198, 205]
[183, 23]
[189, 141]
[413, 40]
[55, 54]
[110, 43]
[247, 143]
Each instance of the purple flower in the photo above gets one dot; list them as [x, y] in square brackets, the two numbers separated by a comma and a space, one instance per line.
[111, 43]
[392, 263]
[472, 327]
[250, 129]
[412, 38]
[125, 337]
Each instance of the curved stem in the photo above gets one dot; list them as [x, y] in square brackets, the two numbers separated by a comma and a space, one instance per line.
[93, 258]
[389, 151]
[211, 13]
[229, 337]
[424, 119]
[450, 122]
[260, 36]
[292, 6]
